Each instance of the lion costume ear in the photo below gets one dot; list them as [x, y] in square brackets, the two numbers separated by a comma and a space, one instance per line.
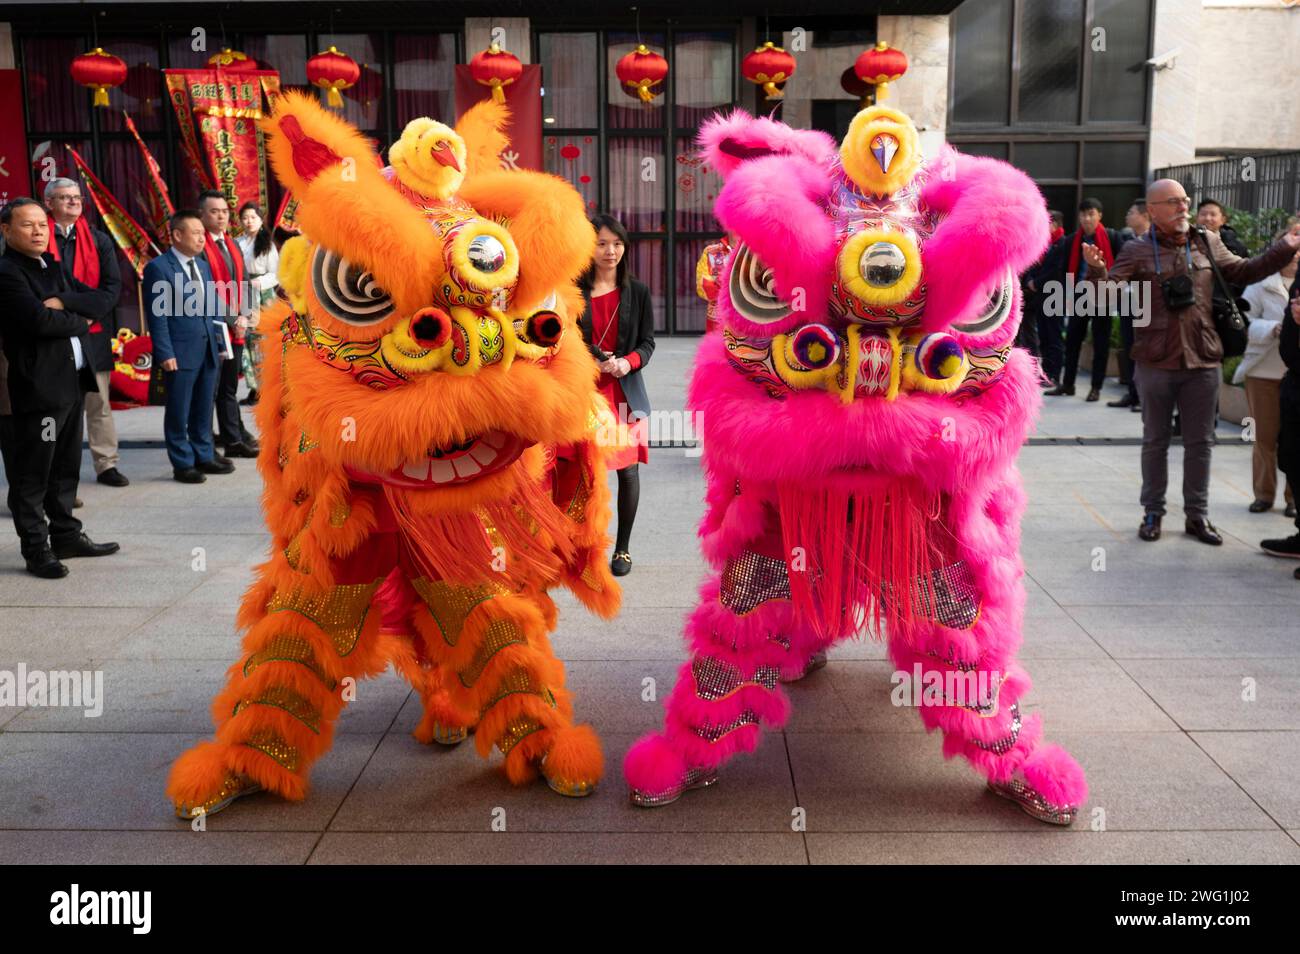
[344, 201]
[295, 254]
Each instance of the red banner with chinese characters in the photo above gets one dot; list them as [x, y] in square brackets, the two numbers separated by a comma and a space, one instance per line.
[524, 97]
[15, 172]
[154, 199]
[217, 112]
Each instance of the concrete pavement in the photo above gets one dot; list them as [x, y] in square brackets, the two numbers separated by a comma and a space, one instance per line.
[1143, 670]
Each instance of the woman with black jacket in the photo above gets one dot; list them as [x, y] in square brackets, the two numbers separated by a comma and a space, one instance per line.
[618, 327]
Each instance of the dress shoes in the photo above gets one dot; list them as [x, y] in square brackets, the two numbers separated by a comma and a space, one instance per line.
[1203, 530]
[1289, 512]
[1259, 506]
[1125, 401]
[1285, 547]
[1060, 391]
[218, 465]
[113, 478]
[82, 546]
[188, 475]
[46, 565]
[1150, 529]
[1093, 395]
[240, 450]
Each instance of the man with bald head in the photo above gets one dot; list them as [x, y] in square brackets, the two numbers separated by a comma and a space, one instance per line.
[1176, 350]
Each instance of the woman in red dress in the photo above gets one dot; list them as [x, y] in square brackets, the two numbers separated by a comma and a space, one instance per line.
[618, 326]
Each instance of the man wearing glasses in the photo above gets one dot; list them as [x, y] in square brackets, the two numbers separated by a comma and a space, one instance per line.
[1176, 348]
[89, 256]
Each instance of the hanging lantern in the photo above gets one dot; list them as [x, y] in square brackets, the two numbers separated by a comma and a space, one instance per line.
[496, 68]
[642, 70]
[99, 71]
[333, 71]
[232, 61]
[880, 66]
[767, 66]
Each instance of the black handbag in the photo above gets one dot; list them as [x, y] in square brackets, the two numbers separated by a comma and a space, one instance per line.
[1229, 323]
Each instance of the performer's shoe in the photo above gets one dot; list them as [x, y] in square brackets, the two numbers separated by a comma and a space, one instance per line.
[449, 734]
[235, 786]
[1017, 790]
[569, 788]
[694, 778]
[815, 661]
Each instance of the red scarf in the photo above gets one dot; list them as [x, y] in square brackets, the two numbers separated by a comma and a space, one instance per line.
[1100, 239]
[217, 262]
[85, 267]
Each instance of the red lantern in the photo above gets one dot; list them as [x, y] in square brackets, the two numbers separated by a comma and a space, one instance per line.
[640, 71]
[333, 71]
[99, 71]
[496, 68]
[880, 66]
[767, 66]
[232, 61]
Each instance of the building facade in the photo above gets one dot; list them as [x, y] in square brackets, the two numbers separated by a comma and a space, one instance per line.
[1065, 89]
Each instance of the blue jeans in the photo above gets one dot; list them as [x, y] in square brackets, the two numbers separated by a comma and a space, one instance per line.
[187, 420]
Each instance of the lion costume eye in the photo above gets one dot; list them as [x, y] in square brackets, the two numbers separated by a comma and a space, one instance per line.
[347, 290]
[994, 313]
[751, 289]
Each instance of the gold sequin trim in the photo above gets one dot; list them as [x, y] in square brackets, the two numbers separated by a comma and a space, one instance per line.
[450, 605]
[282, 697]
[577, 508]
[340, 612]
[515, 682]
[500, 634]
[293, 552]
[269, 743]
[591, 577]
[282, 458]
[301, 497]
[516, 732]
[339, 513]
[751, 579]
[294, 649]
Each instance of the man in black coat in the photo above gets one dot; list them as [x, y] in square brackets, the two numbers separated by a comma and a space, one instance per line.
[1288, 437]
[49, 371]
[98, 303]
[1062, 270]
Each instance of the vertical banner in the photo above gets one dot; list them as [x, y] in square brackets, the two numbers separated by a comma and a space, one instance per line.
[155, 199]
[524, 97]
[217, 113]
[126, 231]
[15, 171]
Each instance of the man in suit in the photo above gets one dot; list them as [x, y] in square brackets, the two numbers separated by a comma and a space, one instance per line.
[182, 311]
[88, 255]
[226, 262]
[49, 373]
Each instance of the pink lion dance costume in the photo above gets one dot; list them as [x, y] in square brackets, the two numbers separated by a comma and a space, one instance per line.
[861, 413]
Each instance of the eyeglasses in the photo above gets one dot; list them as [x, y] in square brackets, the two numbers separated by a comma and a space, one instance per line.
[66, 198]
[1184, 200]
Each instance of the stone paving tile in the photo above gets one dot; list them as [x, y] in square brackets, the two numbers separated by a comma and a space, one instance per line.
[1263, 763]
[180, 847]
[1224, 694]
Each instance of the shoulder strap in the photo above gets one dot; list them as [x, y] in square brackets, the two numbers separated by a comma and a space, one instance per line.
[1234, 314]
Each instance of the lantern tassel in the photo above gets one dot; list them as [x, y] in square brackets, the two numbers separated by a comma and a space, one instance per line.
[498, 91]
[882, 91]
[644, 92]
[101, 96]
[333, 98]
[772, 91]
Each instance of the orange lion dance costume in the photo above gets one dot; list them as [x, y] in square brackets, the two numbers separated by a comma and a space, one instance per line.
[429, 448]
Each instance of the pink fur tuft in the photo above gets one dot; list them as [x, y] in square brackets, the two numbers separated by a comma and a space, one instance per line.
[652, 765]
[1056, 775]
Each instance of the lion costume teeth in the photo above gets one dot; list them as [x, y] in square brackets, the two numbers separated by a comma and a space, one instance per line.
[430, 469]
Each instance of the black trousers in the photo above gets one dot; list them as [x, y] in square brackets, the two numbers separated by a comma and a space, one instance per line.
[230, 426]
[1126, 366]
[42, 457]
[1050, 345]
[1288, 433]
[1075, 332]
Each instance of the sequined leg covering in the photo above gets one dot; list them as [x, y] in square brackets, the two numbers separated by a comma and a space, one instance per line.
[963, 648]
[743, 644]
[501, 670]
[276, 715]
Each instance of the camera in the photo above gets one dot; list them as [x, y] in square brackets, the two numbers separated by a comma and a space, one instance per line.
[1178, 292]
